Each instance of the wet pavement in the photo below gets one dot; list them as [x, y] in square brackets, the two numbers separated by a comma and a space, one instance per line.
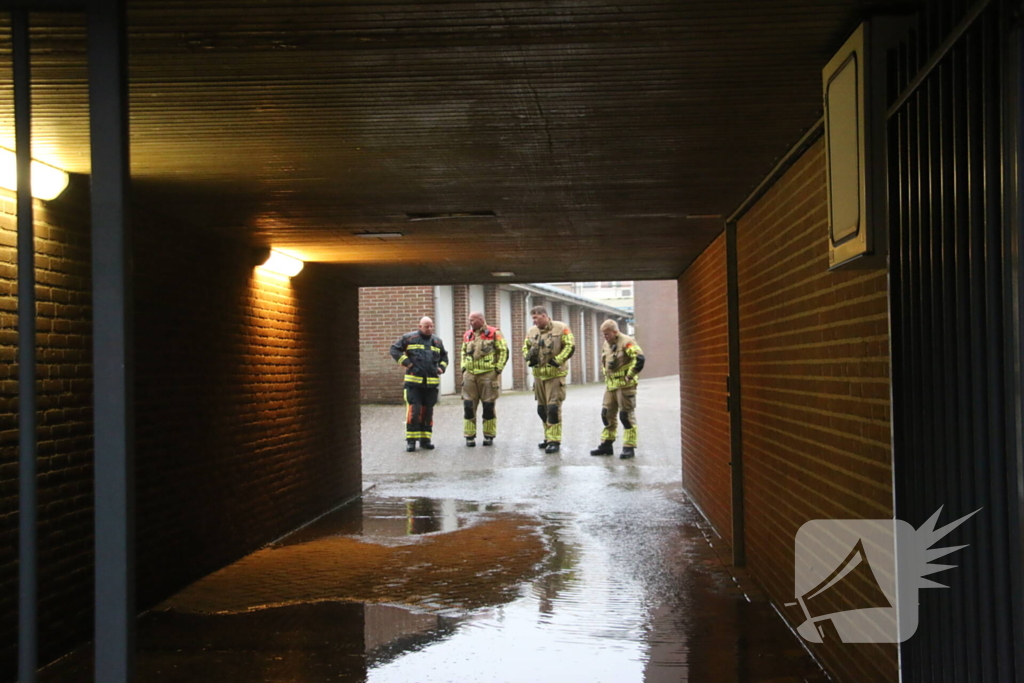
[485, 564]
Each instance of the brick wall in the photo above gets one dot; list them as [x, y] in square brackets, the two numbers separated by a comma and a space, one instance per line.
[64, 427]
[585, 357]
[703, 368]
[492, 307]
[385, 314]
[815, 374]
[247, 404]
[519, 328]
[657, 325]
[247, 423]
[572, 318]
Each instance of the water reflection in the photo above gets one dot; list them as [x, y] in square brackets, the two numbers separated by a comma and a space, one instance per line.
[598, 576]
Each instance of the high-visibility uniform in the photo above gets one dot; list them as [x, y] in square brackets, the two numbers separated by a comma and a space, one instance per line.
[424, 358]
[621, 361]
[547, 350]
[484, 354]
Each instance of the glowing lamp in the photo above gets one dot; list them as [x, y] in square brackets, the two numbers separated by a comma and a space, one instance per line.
[47, 182]
[282, 264]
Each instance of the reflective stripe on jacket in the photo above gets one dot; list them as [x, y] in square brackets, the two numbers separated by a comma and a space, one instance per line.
[484, 351]
[541, 346]
[422, 356]
[621, 362]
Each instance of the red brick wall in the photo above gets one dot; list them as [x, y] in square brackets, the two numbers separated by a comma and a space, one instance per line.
[247, 421]
[519, 328]
[703, 368]
[575, 366]
[815, 380]
[247, 404]
[385, 314]
[492, 306]
[657, 325]
[586, 355]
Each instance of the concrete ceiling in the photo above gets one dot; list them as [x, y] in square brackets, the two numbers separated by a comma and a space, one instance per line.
[557, 139]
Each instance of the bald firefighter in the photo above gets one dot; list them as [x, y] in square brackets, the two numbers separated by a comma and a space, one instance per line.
[424, 358]
[622, 359]
[547, 348]
[484, 354]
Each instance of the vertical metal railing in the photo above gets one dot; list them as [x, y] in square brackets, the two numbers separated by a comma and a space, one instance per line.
[113, 366]
[28, 552]
[112, 340]
[947, 286]
[1013, 203]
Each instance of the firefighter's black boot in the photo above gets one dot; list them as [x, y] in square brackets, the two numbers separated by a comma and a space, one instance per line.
[425, 443]
[604, 449]
[542, 444]
[488, 440]
[552, 447]
[471, 441]
[627, 453]
[410, 445]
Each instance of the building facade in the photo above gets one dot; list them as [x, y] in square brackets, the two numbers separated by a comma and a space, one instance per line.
[656, 325]
[386, 313]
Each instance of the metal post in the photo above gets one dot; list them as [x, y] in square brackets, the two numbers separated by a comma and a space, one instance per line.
[28, 552]
[739, 548]
[112, 343]
[1013, 193]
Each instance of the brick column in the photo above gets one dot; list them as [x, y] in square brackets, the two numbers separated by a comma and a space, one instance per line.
[537, 301]
[592, 338]
[492, 305]
[518, 331]
[575, 366]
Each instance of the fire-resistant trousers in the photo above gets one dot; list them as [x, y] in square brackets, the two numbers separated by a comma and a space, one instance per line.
[549, 394]
[419, 411]
[476, 389]
[619, 404]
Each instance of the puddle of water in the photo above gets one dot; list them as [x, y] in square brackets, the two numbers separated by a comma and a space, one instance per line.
[585, 582]
[434, 557]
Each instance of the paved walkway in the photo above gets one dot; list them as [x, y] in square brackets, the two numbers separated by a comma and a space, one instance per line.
[484, 565]
[520, 430]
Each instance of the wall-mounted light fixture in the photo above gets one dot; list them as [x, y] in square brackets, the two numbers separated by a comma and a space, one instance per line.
[279, 263]
[47, 181]
[503, 273]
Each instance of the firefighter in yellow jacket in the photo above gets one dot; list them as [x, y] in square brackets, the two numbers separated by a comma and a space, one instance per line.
[622, 359]
[547, 348]
[484, 354]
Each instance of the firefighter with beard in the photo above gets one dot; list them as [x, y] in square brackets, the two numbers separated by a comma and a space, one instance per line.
[484, 354]
[547, 348]
[622, 359]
